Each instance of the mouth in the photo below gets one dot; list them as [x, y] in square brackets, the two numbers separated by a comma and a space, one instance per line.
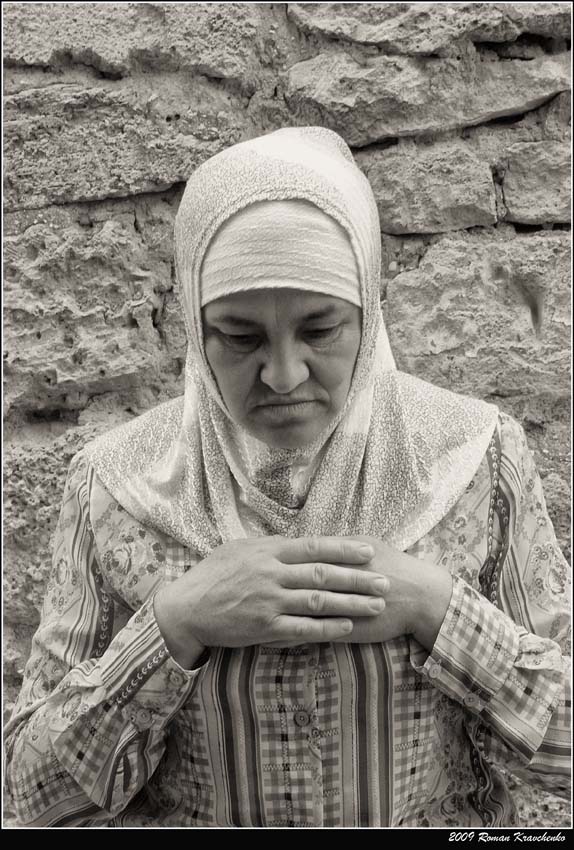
[286, 403]
[286, 410]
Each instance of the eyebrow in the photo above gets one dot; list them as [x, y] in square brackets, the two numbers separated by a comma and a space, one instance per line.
[238, 321]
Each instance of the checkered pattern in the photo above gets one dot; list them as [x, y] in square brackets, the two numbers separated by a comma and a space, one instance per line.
[329, 734]
[108, 724]
[475, 648]
[284, 690]
[413, 726]
[185, 773]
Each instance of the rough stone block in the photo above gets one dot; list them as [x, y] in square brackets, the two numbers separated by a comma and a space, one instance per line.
[378, 97]
[87, 310]
[557, 119]
[82, 141]
[423, 28]
[429, 189]
[536, 183]
[221, 40]
[489, 318]
[492, 141]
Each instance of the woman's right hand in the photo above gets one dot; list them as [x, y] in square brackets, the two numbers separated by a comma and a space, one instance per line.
[269, 590]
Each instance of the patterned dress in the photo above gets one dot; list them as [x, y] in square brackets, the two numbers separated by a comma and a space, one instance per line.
[110, 730]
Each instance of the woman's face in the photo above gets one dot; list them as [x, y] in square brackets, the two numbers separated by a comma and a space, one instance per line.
[283, 360]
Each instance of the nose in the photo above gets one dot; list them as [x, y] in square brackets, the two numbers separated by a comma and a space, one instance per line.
[284, 367]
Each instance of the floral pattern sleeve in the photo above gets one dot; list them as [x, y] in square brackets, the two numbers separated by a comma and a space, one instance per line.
[503, 652]
[99, 691]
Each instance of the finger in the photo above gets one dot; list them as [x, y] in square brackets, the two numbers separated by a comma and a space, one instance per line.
[330, 550]
[296, 630]
[321, 603]
[331, 577]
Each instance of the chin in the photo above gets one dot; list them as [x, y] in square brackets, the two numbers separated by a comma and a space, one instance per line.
[288, 438]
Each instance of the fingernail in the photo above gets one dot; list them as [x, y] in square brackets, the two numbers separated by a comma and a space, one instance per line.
[366, 550]
[376, 604]
[382, 584]
[347, 626]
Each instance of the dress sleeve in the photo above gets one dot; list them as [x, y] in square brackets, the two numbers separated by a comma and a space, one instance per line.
[503, 653]
[89, 726]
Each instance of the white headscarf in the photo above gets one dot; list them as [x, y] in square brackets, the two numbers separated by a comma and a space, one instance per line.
[391, 464]
[277, 244]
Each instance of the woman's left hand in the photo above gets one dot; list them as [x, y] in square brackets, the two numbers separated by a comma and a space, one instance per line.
[415, 604]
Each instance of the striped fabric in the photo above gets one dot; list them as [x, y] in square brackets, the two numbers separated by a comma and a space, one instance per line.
[110, 730]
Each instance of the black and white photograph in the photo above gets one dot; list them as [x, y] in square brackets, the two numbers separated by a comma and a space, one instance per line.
[287, 417]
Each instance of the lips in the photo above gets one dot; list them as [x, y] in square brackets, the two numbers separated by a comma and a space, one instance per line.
[282, 402]
[286, 412]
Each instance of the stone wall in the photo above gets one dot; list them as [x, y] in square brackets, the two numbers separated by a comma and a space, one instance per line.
[459, 114]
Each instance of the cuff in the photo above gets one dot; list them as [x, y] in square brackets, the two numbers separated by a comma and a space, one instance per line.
[474, 652]
[140, 676]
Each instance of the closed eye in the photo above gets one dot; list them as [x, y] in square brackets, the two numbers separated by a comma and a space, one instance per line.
[322, 335]
[246, 343]
[241, 342]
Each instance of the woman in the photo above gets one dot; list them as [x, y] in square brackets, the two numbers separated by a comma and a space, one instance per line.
[313, 591]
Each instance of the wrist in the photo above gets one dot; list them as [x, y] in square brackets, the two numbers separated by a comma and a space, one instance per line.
[435, 595]
[183, 646]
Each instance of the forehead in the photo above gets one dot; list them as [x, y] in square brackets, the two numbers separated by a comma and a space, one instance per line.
[289, 303]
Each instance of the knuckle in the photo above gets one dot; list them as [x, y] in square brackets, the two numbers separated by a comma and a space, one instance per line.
[316, 601]
[266, 612]
[319, 575]
[264, 546]
[281, 577]
[274, 626]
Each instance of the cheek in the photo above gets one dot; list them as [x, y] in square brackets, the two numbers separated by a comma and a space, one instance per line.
[339, 365]
[335, 372]
[233, 375]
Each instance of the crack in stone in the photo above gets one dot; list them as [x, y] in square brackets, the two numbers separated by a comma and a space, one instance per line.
[137, 225]
[157, 315]
[151, 193]
[69, 63]
[548, 45]
[528, 228]
[381, 145]
[235, 86]
[461, 132]
[52, 414]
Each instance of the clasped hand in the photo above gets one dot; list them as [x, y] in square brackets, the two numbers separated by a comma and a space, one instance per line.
[285, 592]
